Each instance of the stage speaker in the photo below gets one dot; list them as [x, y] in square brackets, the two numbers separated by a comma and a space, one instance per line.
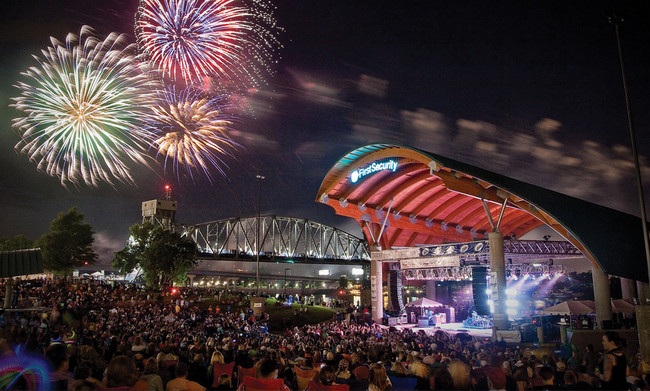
[479, 286]
[395, 281]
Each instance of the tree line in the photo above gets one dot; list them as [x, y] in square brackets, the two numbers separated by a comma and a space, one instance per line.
[161, 255]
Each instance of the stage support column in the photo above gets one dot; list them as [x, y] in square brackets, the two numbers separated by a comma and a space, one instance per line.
[628, 288]
[643, 292]
[431, 290]
[563, 334]
[643, 326]
[9, 290]
[602, 296]
[376, 291]
[498, 271]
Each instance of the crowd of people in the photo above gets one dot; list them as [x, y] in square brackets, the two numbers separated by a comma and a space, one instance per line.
[96, 335]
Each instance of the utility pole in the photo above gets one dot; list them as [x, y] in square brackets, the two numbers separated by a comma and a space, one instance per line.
[260, 178]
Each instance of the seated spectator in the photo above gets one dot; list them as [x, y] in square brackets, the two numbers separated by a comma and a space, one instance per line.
[378, 380]
[180, 383]
[150, 375]
[327, 376]
[441, 379]
[268, 380]
[121, 375]
[197, 371]
[460, 373]
[224, 383]
[496, 378]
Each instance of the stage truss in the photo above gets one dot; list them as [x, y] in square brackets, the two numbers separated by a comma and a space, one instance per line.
[464, 273]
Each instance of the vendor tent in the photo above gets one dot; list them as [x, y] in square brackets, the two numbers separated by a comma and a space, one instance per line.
[618, 305]
[568, 308]
[424, 303]
[621, 305]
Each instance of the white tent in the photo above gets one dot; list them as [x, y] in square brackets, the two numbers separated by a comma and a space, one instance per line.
[571, 307]
[424, 303]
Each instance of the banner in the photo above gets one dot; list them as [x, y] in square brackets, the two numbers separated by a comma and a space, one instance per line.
[509, 336]
[424, 263]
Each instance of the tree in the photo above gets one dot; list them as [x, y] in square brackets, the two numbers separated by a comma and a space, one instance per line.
[343, 282]
[161, 254]
[69, 243]
[18, 242]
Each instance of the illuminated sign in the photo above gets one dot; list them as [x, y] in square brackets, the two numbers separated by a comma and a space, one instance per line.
[390, 165]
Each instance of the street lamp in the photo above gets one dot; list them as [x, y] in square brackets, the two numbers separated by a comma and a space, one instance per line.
[260, 178]
[616, 21]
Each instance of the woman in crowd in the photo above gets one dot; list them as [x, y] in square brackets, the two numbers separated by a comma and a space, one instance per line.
[378, 380]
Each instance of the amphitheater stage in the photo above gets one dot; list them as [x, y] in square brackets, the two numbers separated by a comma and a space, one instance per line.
[451, 328]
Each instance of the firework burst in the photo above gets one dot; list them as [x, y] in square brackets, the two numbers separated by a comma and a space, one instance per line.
[195, 39]
[191, 131]
[84, 106]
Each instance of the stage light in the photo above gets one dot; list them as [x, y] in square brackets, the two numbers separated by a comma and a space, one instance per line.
[511, 292]
[488, 291]
[512, 303]
[490, 302]
[511, 311]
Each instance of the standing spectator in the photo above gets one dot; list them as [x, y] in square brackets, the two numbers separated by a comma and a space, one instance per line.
[589, 359]
[613, 374]
[60, 378]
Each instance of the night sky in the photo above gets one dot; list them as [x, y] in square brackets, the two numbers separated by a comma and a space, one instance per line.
[531, 90]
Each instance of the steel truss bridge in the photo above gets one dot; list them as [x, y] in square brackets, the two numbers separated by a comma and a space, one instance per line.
[281, 239]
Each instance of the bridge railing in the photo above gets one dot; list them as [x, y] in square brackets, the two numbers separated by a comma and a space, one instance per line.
[279, 236]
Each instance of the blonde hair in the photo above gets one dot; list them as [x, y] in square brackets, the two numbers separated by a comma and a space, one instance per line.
[419, 369]
[398, 367]
[378, 377]
[217, 358]
[459, 372]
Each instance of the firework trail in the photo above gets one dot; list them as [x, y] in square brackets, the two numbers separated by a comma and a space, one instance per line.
[195, 39]
[191, 131]
[84, 107]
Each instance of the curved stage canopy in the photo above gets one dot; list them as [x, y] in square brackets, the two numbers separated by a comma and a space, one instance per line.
[435, 200]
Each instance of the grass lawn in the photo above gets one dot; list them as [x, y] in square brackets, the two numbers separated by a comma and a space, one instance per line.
[277, 312]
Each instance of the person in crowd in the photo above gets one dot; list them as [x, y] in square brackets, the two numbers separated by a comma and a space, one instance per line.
[197, 371]
[548, 378]
[378, 380]
[496, 379]
[460, 374]
[180, 383]
[121, 375]
[421, 371]
[224, 383]
[441, 379]
[343, 374]
[60, 378]
[613, 374]
[327, 376]
[150, 375]
[589, 359]
[268, 379]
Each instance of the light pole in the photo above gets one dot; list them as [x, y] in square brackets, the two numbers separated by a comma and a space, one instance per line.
[260, 178]
[616, 21]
